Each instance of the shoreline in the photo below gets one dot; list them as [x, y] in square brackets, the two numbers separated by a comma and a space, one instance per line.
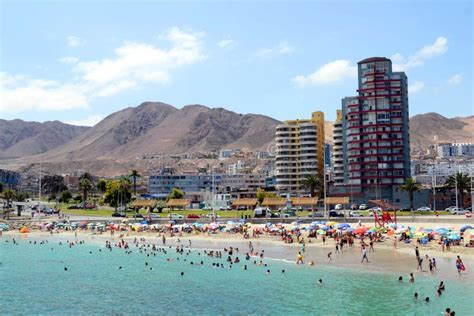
[384, 259]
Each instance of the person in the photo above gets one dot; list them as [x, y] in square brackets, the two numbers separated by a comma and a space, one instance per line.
[459, 265]
[394, 242]
[299, 258]
[164, 239]
[417, 253]
[438, 292]
[320, 281]
[415, 295]
[400, 279]
[337, 248]
[441, 286]
[364, 255]
[311, 263]
[447, 312]
[420, 264]
[329, 255]
[427, 299]
[412, 278]
[302, 247]
[431, 266]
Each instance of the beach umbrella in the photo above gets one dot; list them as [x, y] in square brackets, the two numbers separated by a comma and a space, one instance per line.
[442, 230]
[230, 223]
[343, 226]
[321, 232]
[465, 227]
[392, 225]
[454, 237]
[360, 230]
[331, 223]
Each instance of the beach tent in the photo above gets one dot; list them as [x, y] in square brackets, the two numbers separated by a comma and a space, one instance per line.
[249, 203]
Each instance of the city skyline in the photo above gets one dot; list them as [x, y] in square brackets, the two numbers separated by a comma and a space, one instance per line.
[89, 63]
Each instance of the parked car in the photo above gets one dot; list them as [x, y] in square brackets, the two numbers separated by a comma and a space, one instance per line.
[363, 207]
[335, 214]
[193, 216]
[423, 209]
[241, 208]
[338, 207]
[225, 208]
[355, 214]
[74, 207]
[404, 209]
[210, 215]
[119, 214]
[378, 210]
[316, 214]
[176, 216]
[207, 208]
[354, 207]
[458, 211]
[154, 216]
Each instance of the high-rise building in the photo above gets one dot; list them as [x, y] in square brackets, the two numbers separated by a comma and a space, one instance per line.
[337, 150]
[375, 124]
[299, 152]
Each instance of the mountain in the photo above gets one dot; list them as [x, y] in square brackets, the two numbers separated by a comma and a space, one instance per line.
[19, 138]
[424, 128]
[153, 128]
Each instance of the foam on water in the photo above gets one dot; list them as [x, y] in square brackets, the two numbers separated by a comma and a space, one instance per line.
[33, 281]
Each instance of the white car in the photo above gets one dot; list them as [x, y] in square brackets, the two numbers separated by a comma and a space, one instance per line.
[176, 216]
[363, 207]
[210, 215]
[338, 207]
[355, 214]
[423, 209]
[457, 211]
[225, 208]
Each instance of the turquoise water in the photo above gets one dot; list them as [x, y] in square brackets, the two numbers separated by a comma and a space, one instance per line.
[33, 281]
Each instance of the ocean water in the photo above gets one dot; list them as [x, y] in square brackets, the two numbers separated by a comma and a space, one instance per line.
[33, 281]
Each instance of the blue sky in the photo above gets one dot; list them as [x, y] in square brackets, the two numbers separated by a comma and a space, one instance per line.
[80, 61]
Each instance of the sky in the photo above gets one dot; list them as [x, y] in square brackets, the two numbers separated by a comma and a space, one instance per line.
[79, 61]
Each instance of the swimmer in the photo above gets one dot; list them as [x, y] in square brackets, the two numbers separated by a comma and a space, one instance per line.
[320, 281]
[412, 278]
[65, 269]
[400, 279]
[415, 295]
[283, 271]
[182, 273]
[427, 299]
[268, 271]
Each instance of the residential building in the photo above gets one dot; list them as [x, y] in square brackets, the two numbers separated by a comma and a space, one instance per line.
[160, 185]
[299, 152]
[447, 150]
[375, 124]
[242, 182]
[9, 178]
[337, 150]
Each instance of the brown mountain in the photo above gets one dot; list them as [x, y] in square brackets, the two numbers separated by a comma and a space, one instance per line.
[19, 138]
[425, 127]
[153, 128]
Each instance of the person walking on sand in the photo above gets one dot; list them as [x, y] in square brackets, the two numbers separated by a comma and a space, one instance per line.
[417, 253]
[299, 258]
[394, 242]
[420, 264]
[460, 265]
[364, 255]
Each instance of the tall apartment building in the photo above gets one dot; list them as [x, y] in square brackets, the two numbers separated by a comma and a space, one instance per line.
[299, 152]
[338, 150]
[447, 150]
[375, 124]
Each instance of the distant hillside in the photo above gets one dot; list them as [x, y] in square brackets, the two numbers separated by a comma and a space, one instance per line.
[19, 138]
[424, 128]
[153, 128]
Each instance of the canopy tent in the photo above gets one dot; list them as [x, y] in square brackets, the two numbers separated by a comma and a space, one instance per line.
[137, 204]
[304, 201]
[248, 202]
[181, 203]
[336, 200]
[386, 217]
[274, 202]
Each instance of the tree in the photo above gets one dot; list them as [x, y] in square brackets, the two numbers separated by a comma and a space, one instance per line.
[462, 182]
[312, 183]
[411, 186]
[117, 191]
[85, 184]
[175, 194]
[65, 196]
[160, 206]
[261, 195]
[8, 195]
[101, 185]
[134, 176]
[53, 184]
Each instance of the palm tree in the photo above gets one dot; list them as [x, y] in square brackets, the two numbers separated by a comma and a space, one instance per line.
[411, 186]
[85, 184]
[312, 183]
[462, 182]
[134, 176]
[8, 195]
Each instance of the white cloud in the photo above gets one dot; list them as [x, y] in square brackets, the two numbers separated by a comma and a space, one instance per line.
[143, 62]
[332, 72]
[226, 43]
[455, 79]
[439, 47]
[417, 86]
[88, 121]
[281, 49]
[132, 65]
[20, 94]
[69, 60]
[74, 41]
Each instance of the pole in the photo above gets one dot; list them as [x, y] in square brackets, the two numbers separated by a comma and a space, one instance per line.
[434, 182]
[39, 193]
[456, 185]
[213, 194]
[324, 184]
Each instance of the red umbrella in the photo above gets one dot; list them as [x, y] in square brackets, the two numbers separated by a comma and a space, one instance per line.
[360, 230]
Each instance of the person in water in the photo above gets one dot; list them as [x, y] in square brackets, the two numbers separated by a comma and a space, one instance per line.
[412, 278]
[415, 295]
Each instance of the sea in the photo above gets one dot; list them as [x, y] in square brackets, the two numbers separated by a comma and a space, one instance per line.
[33, 281]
